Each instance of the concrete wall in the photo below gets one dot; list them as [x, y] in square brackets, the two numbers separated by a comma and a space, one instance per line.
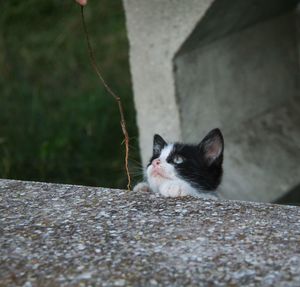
[202, 64]
[156, 30]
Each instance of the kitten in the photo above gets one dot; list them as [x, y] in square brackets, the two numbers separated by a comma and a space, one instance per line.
[183, 169]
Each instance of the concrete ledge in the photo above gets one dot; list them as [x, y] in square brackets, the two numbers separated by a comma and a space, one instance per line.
[62, 235]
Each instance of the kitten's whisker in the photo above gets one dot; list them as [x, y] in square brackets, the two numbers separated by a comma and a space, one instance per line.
[135, 160]
[136, 176]
[136, 169]
[134, 138]
[136, 164]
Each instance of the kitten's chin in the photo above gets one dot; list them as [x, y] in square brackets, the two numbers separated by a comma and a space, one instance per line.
[157, 174]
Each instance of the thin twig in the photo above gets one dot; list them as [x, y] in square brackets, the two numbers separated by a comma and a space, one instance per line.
[111, 92]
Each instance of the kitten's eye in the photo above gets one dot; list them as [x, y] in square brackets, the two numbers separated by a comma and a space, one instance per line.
[178, 159]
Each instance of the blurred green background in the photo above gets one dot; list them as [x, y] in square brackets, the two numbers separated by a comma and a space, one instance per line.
[57, 124]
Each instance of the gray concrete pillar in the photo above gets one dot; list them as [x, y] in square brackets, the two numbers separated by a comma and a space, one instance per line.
[202, 64]
[156, 30]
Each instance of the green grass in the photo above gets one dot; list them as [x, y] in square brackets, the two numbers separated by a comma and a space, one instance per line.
[57, 124]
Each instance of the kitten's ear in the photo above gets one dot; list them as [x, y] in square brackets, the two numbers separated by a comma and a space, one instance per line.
[158, 144]
[212, 147]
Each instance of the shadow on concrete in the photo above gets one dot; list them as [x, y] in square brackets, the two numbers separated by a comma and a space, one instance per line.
[291, 198]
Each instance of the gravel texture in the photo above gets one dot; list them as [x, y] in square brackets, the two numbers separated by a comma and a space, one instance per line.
[63, 235]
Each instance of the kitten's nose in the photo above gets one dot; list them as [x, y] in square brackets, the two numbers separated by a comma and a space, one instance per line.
[156, 162]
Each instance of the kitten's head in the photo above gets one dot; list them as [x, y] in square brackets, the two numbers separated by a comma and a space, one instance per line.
[199, 165]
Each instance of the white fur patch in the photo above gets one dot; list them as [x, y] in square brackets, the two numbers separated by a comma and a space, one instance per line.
[174, 188]
[166, 152]
[141, 187]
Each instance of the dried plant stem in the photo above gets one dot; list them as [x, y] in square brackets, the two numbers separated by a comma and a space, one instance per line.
[111, 92]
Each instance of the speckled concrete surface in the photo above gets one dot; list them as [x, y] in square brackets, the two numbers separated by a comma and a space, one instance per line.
[62, 235]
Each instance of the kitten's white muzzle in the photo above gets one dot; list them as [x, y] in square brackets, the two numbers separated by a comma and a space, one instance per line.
[157, 170]
[160, 169]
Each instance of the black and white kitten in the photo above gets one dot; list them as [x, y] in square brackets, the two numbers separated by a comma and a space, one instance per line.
[183, 169]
